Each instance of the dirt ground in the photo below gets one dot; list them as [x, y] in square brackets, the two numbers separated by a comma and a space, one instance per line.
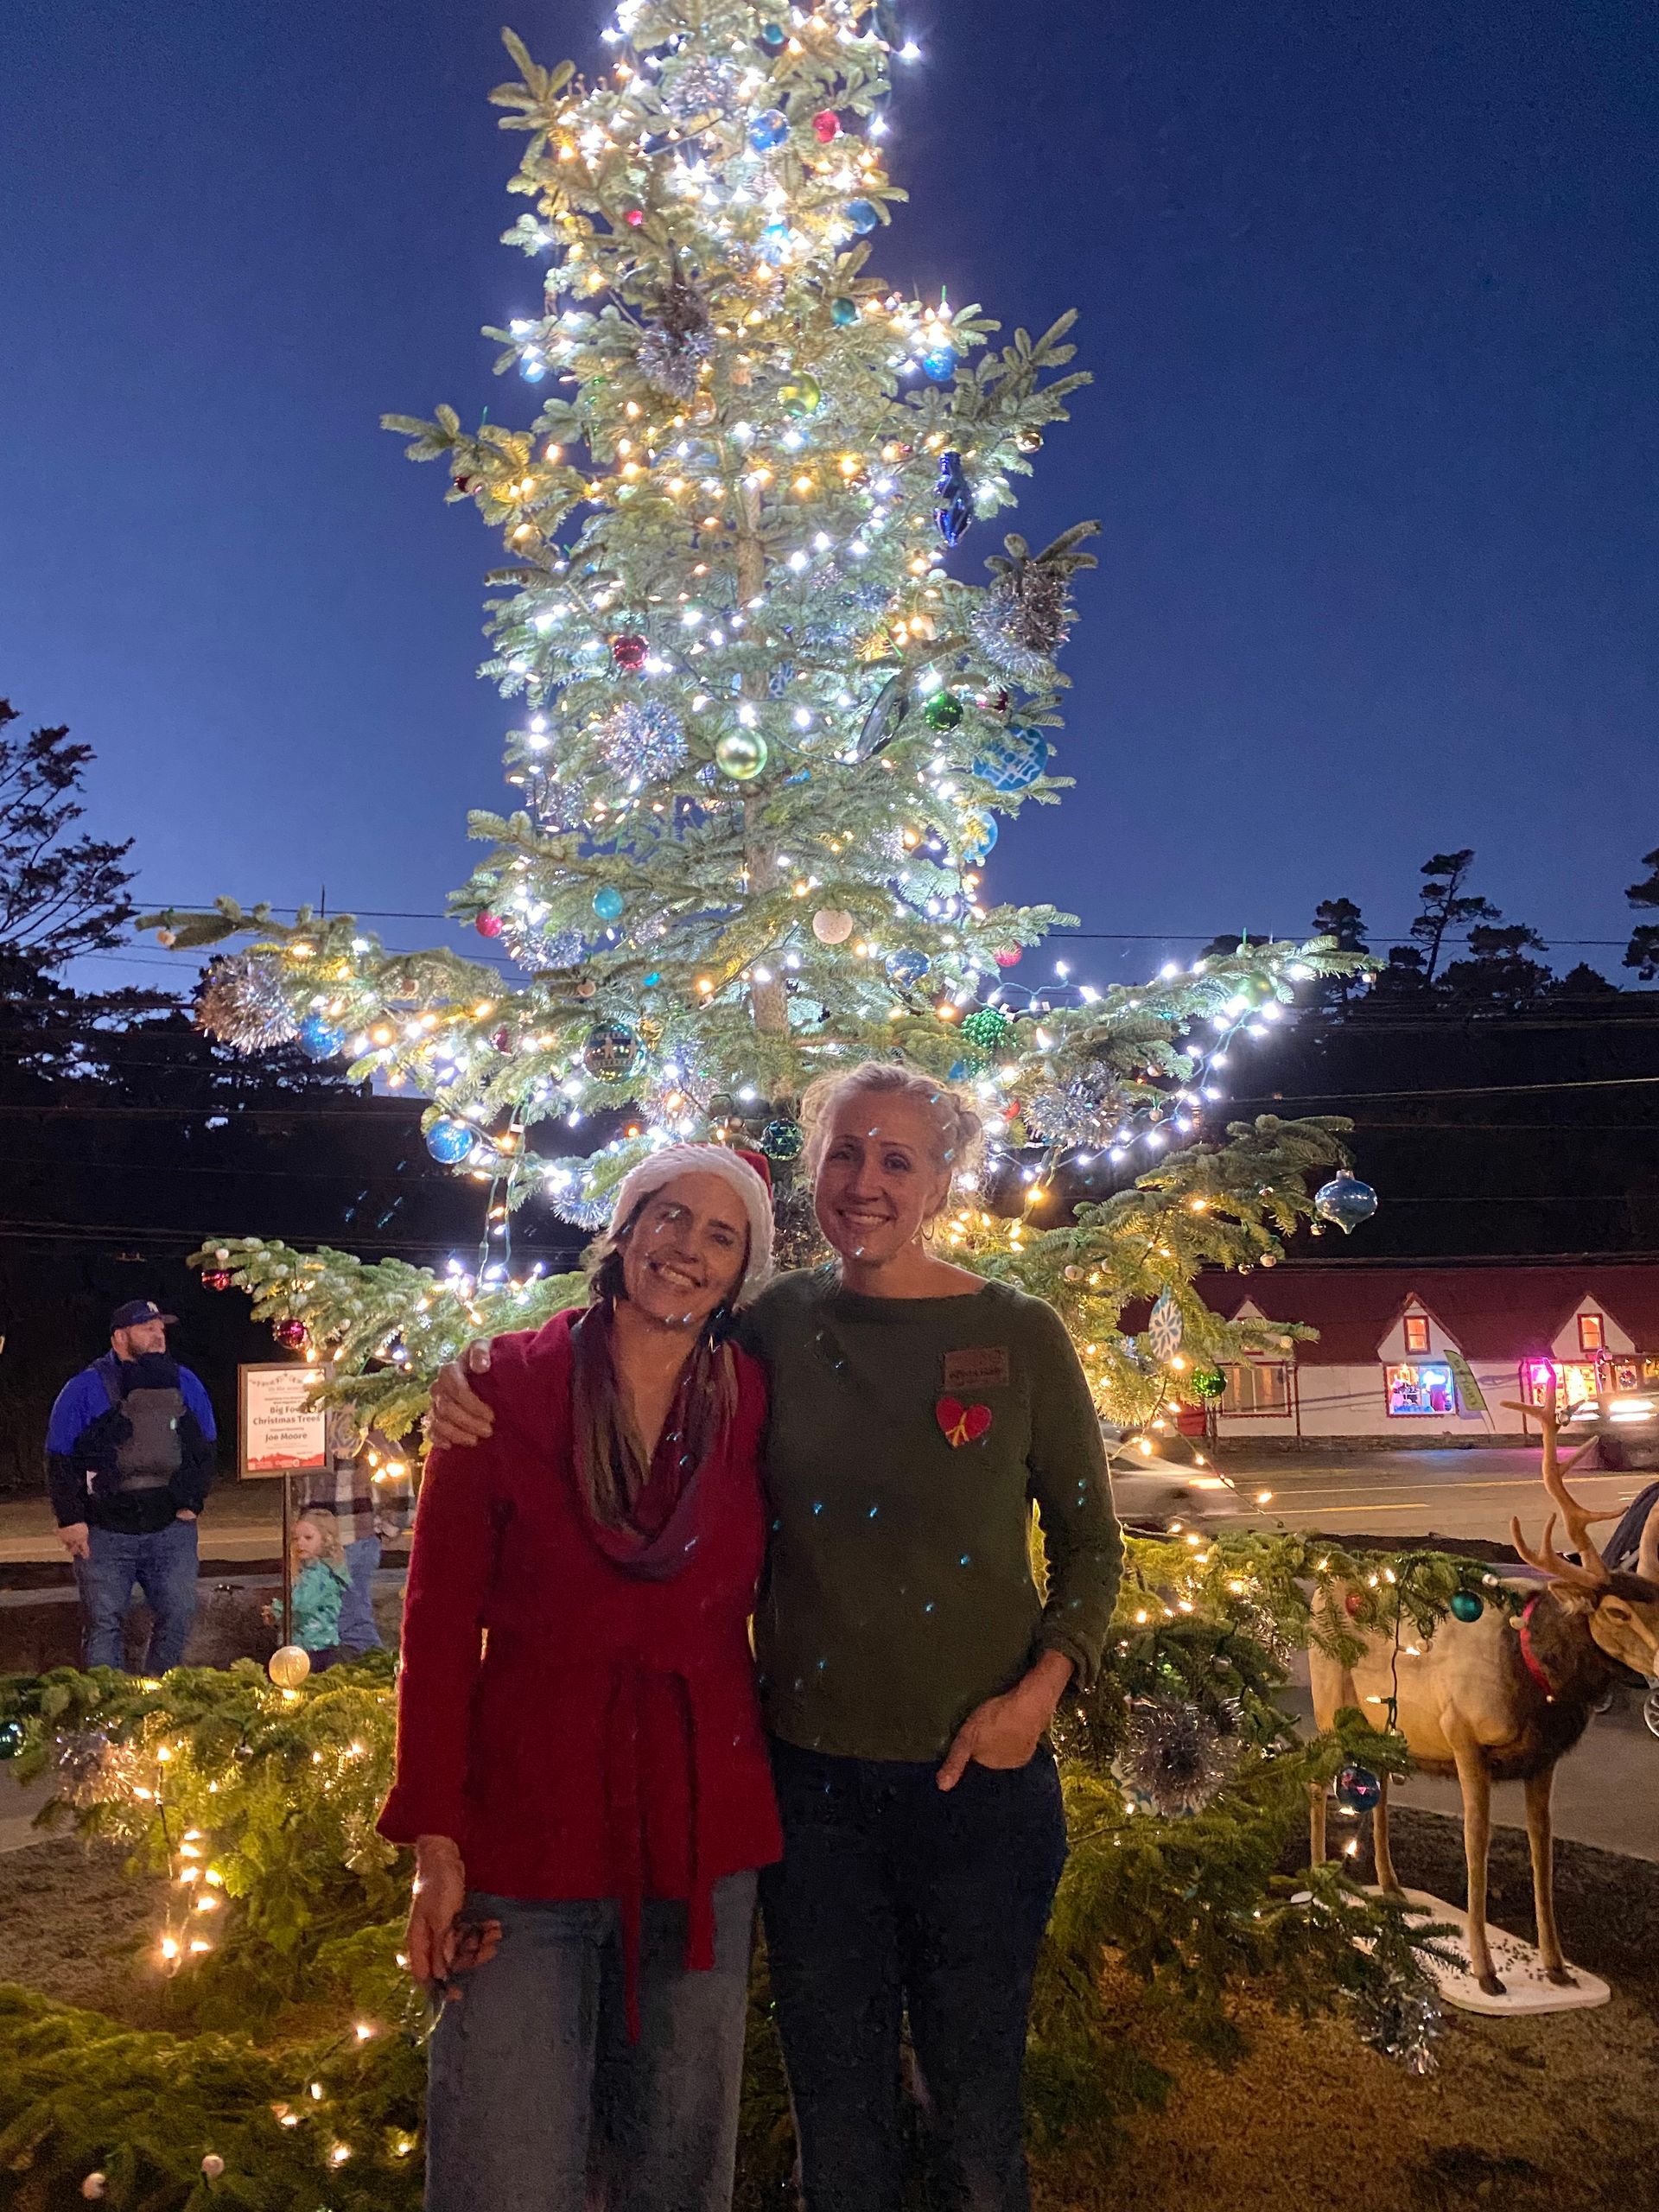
[1554, 2115]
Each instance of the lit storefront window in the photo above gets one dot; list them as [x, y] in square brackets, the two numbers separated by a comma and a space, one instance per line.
[1421, 1386]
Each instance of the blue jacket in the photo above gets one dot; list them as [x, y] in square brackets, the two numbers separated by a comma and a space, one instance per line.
[87, 1427]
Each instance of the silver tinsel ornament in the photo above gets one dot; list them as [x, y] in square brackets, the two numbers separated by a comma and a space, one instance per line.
[1022, 621]
[700, 86]
[90, 1769]
[1173, 1759]
[677, 342]
[642, 741]
[1401, 2019]
[1082, 1111]
[240, 1002]
[564, 949]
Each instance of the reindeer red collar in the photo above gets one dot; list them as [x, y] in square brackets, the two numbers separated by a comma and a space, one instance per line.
[1490, 1705]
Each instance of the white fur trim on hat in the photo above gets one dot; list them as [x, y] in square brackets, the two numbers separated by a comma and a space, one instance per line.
[707, 1159]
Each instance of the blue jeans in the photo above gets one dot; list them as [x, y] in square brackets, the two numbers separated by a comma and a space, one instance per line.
[356, 1629]
[895, 1896]
[537, 2101]
[163, 1564]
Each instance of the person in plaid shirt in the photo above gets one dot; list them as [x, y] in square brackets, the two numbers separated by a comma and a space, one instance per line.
[371, 1497]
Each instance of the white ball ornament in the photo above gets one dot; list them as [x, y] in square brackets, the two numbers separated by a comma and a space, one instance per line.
[94, 2185]
[832, 925]
[213, 2165]
[288, 1666]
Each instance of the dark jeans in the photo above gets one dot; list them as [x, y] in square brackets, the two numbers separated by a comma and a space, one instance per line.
[539, 2103]
[894, 1895]
[163, 1564]
[357, 1631]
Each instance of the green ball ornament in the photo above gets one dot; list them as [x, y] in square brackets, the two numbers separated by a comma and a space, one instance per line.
[844, 313]
[987, 1028]
[943, 711]
[1465, 1606]
[782, 1140]
[741, 754]
[1209, 1382]
[802, 395]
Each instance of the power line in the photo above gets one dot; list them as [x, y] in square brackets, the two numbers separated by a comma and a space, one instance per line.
[1471, 1091]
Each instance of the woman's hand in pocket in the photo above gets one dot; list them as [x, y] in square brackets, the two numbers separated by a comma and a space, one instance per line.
[1004, 1731]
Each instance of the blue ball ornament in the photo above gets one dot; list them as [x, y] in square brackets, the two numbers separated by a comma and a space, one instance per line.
[773, 243]
[863, 215]
[1466, 1607]
[939, 364]
[768, 131]
[1013, 760]
[319, 1039]
[907, 966]
[774, 37]
[960, 1072]
[450, 1141]
[609, 904]
[844, 313]
[1359, 1790]
[1345, 1202]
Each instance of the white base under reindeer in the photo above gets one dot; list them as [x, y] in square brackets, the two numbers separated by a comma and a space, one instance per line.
[1527, 1985]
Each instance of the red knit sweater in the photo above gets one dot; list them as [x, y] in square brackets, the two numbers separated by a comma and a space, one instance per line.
[579, 1731]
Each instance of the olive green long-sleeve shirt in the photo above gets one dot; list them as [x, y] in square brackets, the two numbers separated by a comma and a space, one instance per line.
[908, 1439]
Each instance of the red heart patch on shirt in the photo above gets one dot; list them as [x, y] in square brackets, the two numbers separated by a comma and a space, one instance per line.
[961, 1424]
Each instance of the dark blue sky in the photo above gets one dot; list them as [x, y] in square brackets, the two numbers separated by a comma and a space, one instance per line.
[1369, 295]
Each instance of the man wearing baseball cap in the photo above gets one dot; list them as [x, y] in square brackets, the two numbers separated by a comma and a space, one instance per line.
[129, 1463]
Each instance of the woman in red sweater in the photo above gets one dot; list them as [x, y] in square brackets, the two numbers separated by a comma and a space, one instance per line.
[580, 1755]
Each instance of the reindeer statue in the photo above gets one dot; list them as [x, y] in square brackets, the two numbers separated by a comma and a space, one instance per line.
[1500, 1700]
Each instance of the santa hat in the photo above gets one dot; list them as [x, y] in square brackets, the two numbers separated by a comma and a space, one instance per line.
[750, 1177]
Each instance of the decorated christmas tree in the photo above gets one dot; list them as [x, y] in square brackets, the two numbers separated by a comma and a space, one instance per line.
[770, 722]
[769, 725]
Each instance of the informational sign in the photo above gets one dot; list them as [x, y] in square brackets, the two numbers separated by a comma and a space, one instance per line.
[279, 1431]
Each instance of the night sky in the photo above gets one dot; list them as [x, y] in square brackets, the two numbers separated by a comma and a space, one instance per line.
[1369, 293]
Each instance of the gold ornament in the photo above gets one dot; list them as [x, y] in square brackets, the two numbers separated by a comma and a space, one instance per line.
[288, 1666]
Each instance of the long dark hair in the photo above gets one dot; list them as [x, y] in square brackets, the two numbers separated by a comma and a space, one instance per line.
[612, 1463]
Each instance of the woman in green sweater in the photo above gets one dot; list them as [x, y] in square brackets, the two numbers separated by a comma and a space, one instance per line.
[909, 1667]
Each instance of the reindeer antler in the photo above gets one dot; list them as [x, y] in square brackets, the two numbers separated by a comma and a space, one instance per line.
[1577, 1519]
[1548, 1560]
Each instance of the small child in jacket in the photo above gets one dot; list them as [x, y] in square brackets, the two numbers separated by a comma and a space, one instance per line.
[320, 1583]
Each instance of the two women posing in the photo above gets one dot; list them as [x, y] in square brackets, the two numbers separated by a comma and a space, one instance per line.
[587, 1760]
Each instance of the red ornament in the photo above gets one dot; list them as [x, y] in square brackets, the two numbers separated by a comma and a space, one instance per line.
[629, 649]
[1354, 1605]
[1007, 956]
[291, 1335]
[218, 1278]
[961, 1424]
[488, 925]
[636, 216]
[828, 127]
[502, 1039]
